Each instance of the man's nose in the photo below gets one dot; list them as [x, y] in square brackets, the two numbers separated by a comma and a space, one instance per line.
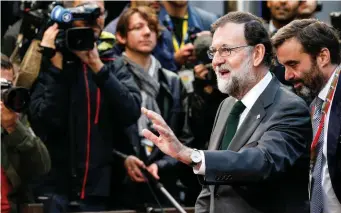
[217, 60]
[146, 30]
[289, 75]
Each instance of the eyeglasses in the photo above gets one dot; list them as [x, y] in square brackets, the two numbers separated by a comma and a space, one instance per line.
[223, 51]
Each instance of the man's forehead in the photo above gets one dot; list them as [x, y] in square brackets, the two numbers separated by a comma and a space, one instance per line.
[136, 18]
[230, 34]
[290, 50]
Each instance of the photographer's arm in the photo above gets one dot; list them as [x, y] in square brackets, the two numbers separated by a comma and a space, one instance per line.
[49, 94]
[34, 157]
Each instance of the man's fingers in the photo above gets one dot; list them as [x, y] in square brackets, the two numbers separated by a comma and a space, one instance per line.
[203, 74]
[164, 132]
[154, 173]
[150, 136]
[138, 173]
[135, 177]
[156, 118]
[140, 163]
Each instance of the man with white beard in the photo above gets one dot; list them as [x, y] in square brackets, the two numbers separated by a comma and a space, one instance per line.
[257, 158]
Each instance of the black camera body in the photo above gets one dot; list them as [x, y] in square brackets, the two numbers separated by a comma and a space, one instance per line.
[14, 98]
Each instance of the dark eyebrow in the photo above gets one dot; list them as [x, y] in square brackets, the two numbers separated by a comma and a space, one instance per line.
[290, 62]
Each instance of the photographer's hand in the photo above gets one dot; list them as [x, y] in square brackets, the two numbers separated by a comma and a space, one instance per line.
[200, 71]
[8, 118]
[49, 41]
[184, 53]
[154, 170]
[91, 58]
[133, 165]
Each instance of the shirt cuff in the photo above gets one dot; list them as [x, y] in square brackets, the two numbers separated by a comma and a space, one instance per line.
[202, 168]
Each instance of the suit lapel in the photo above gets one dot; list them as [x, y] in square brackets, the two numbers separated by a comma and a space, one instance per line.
[248, 127]
[254, 117]
[219, 128]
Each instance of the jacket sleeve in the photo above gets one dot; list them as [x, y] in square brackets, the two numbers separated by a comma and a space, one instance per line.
[34, 157]
[48, 108]
[120, 90]
[279, 148]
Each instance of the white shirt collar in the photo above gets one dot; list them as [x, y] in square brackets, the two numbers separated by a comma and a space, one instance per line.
[324, 92]
[272, 27]
[251, 97]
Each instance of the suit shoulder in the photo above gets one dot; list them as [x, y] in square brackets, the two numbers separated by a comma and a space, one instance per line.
[285, 97]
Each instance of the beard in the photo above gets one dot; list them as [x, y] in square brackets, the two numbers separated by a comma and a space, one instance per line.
[239, 81]
[312, 81]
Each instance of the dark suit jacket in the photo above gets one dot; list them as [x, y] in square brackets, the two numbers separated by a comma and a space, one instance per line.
[334, 142]
[265, 168]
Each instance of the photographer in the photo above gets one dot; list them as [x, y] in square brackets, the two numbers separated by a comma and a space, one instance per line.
[23, 155]
[79, 107]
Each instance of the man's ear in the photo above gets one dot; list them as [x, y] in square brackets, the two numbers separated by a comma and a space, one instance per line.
[258, 54]
[323, 58]
[122, 40]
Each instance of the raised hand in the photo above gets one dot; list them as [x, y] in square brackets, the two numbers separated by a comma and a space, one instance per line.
[167, 142]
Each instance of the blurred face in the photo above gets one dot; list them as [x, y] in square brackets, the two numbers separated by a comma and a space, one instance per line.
[149, 3]
[283, 10]
[98, 24]
[7, 74]
[300, 69]
[234, 71]
[178, 3]
[141, 37]
[307, 8]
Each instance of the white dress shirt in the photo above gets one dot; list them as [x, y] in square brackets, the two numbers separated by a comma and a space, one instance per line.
[330, 201]
[248, 100]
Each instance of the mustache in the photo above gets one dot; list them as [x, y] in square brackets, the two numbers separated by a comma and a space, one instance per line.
[223, 67]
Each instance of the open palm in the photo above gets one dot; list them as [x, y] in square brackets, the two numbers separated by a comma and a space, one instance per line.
[167, 142]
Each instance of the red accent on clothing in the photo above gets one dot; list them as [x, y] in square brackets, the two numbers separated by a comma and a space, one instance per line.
[88, 132]
[98, 103]
[108, 59]
[5, 189]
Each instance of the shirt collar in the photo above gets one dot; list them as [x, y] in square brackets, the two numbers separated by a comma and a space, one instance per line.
[251, 97]
[324, 92]
[272, 27]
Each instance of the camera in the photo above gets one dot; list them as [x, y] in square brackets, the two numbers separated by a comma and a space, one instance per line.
[75, 38]
[14, 98]
[201, 46]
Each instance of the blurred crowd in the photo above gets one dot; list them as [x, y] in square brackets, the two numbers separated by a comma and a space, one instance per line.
[73, 84]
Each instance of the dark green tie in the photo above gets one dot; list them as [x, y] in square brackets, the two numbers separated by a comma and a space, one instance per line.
[232, 124]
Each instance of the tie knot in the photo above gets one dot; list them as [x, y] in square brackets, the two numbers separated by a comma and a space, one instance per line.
[238, 108]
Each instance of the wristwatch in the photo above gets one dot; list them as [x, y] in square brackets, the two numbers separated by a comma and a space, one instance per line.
[195, 157]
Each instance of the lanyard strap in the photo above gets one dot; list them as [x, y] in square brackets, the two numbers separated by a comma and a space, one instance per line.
[325, 107]
[170, 26]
